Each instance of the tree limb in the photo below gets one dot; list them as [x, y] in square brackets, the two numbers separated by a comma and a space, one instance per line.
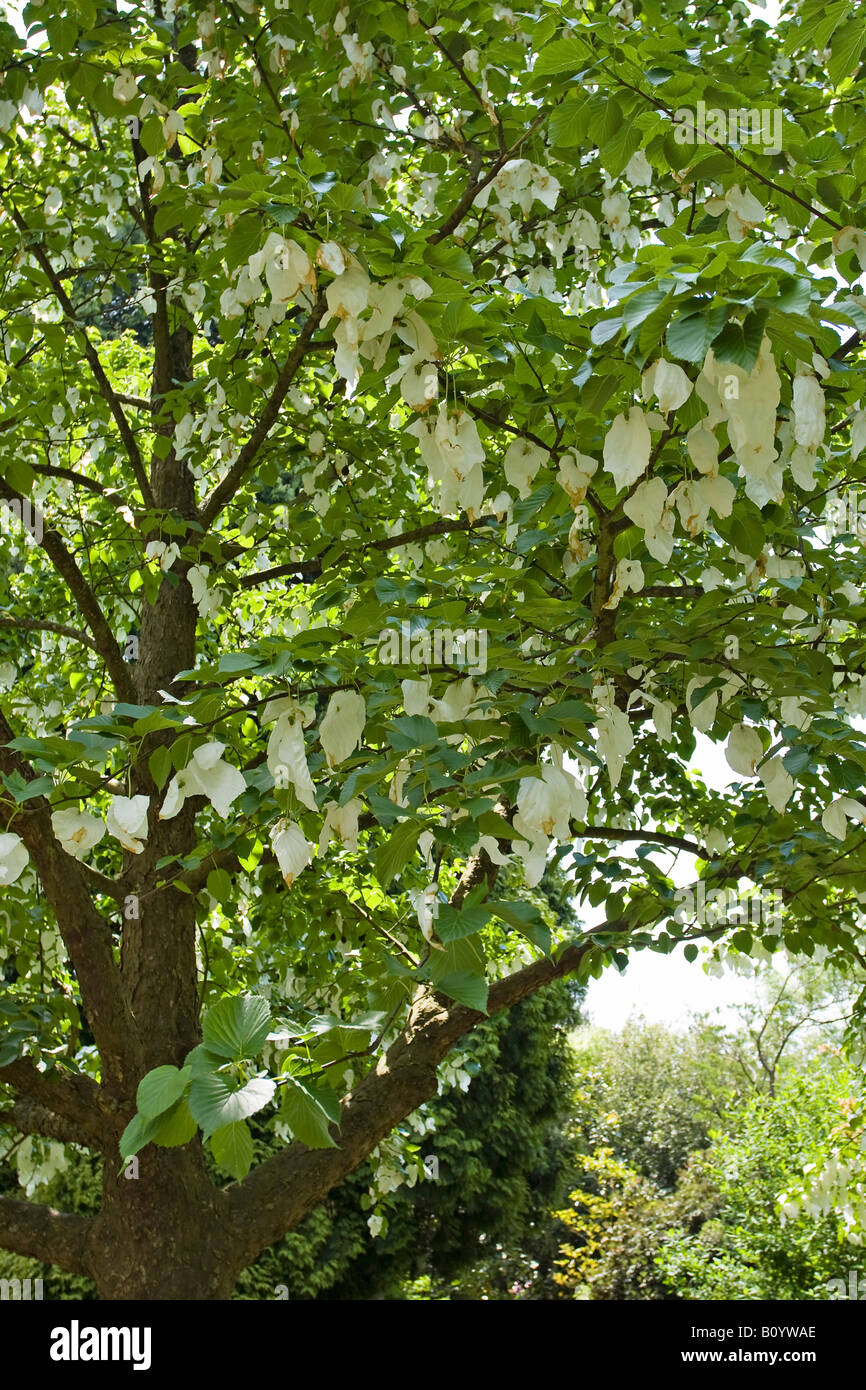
[58, 1238]
[225, 491]
[105, 387]
[277, 1194]
[41, 625]
[70, 1097]
[104, 640]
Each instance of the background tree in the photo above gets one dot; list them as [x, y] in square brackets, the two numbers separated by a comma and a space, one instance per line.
[534, 362]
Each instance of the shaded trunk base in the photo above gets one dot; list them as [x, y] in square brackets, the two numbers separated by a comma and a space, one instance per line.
[163, 1235]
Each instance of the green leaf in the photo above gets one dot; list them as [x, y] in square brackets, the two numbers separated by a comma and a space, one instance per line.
[741, 343]
[159, 1089]
[214, 1102]
[306, 1116]
[845, 49]
[568, 123]
[219, 885]
[467, 988]
[525, 918]
[412, 731]
[160, 765]
[176, 1127]
[232, 1148]
[397, 851]
[690, 334]
[746, 528]
[237, 1027]
[138, 1132]
[453, 923]
[565, 55]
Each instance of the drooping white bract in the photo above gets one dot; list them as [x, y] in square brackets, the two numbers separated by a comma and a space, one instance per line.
[208, 601]
[286, 749]
[342, 727]
[839, 812]
[453, 454]
[749, 402]
[668, 383]
[715, 840]
[454, 704]
[793, 712]
[426, 904]
[744, 212]
[126, 820]
[702, 715]
[13, 858]
[330, 257]
[546, 804]
[520, 182]
[206, 774]
[778, 782]
[125, 87]
[341, 824]
[615, 737]
[703, 449]
[286, 266]
[851, 239]
[628, 575]
[416, 696]
[650, 508]
[663, 712]
[627, 448]
[695, 497]
[858, 434]
[292, 849]
[639, 171]
[77, 831]
[808, 409]
[521, 463]
[574, 475]
[744, 749]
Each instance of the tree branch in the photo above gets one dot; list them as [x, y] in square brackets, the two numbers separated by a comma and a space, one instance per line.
[42, 625]
[104, 640]
[276, 1196]
[27, 1228]
[86, 935]
[225, 491]
[69, 1097]
[105, 387]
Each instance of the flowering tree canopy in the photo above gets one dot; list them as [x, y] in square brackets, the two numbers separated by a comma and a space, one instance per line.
[418, 425]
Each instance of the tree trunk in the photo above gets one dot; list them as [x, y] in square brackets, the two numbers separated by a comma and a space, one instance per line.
[162, 1235]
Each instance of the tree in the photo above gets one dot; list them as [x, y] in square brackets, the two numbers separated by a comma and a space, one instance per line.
[748, 1248]
[652, 1095]
[475, 453]
[794, 1007]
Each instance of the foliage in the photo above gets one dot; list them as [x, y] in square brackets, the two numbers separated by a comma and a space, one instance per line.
[620, 1223]
[431, 434]
[651, 1095]
[751, 1251]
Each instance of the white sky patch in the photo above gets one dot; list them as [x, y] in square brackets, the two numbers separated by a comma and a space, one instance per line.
[667, 988]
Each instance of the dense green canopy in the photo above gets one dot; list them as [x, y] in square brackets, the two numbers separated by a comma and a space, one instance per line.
[417, 425]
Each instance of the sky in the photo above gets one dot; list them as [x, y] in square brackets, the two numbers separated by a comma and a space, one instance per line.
[666, 989]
